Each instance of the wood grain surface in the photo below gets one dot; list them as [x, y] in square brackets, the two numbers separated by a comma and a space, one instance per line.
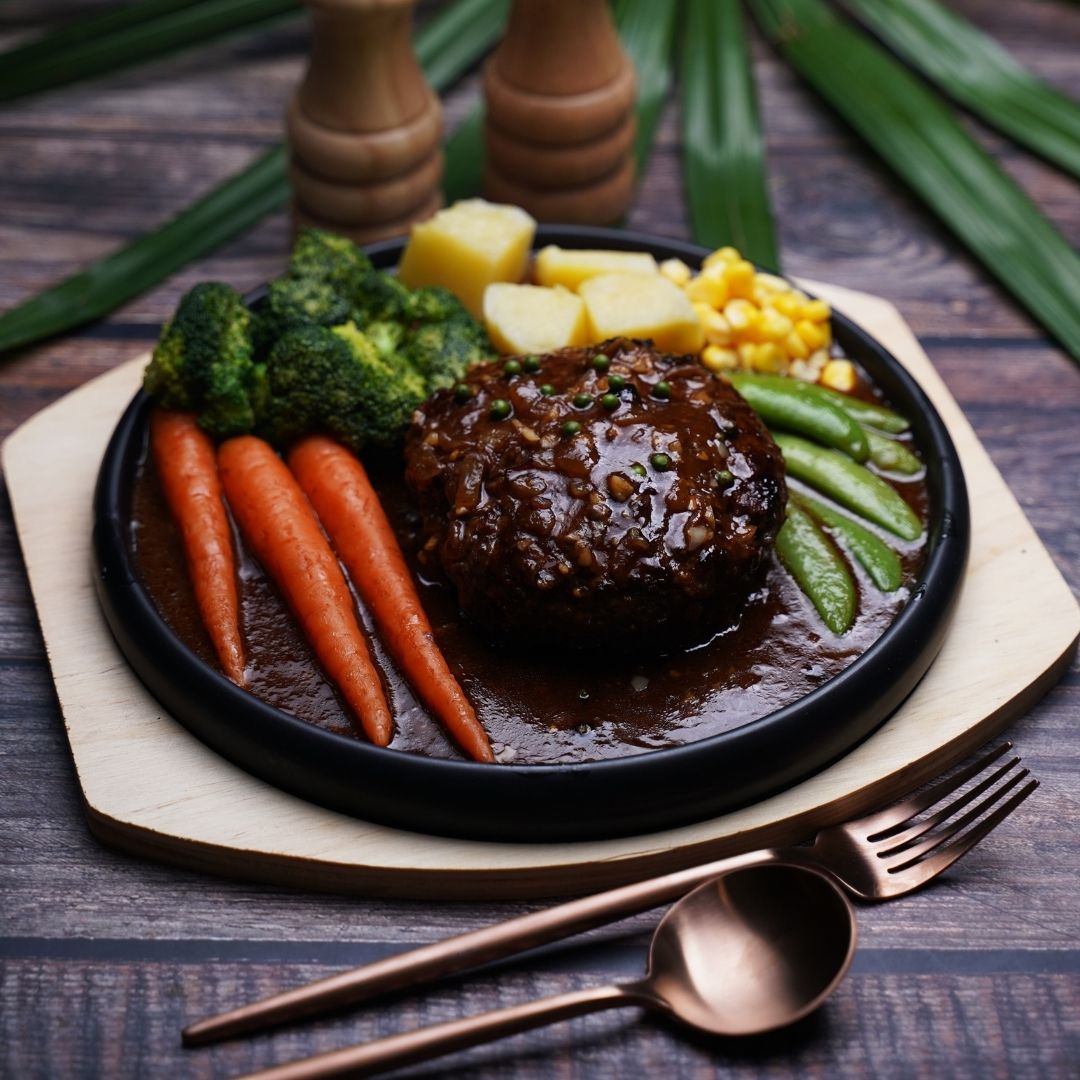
[103, 956]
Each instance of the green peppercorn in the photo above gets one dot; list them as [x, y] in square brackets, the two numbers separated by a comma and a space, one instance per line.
[531, 363]
[662, 390]
[582, 400]
[610, 402]
[512, 367]
[660, 462]
[500, 409]
[462, 392]
[600, 362]
[616, 382]
[723, 477]
[571, 427]
[638, 468]
[547, 389]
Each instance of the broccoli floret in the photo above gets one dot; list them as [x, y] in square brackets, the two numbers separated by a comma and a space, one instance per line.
[333, 260]
[204, 362]
[432, 303]
[387, 337]
[336, 381]
[292, 302]
[383, 299]
[443, 351]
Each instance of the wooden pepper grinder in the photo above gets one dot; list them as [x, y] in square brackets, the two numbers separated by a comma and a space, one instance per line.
[364, 129]
[560, 125]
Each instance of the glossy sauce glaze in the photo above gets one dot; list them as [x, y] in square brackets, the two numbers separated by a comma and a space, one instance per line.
[537, 706]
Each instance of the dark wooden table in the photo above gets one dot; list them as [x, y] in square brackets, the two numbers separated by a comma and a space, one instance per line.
[104, 957]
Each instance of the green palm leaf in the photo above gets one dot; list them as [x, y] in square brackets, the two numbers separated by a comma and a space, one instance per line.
[105, 43]
[446, 46]
[723, 151]
[647, 30]
[924, 144]
[977, 72]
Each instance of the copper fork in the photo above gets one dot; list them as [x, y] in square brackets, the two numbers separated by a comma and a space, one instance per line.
[876, 857]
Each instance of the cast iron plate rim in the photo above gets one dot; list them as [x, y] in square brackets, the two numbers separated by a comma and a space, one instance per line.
[527, 796]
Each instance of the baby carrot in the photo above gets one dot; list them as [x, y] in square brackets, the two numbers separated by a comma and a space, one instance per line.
[281, 529]
[349, 509]
[184, 457]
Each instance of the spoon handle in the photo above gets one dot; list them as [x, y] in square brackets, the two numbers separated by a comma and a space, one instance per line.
[411, 1047]
[441, 958]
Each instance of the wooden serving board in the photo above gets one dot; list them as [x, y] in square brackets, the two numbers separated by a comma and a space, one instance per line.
[151, 788]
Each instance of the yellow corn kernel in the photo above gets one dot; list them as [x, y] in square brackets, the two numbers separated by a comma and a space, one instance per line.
[717, 329]
[839, 375]
[815, 310]
[722, 256]
[717, 358]
[741, 315]
[795, 347]
[771, 283]
[819, 359]
[801, 369]
[740, 279]
[707, 289]
[746, 351]
[811, 333]
[773, 326]
[768, 357]
[787, 304]
[675, 270]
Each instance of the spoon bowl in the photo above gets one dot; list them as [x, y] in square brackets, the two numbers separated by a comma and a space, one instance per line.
[750, 951]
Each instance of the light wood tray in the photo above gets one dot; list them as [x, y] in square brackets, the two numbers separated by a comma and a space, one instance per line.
[151, 788]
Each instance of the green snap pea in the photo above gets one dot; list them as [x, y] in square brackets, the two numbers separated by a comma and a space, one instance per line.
[892, 456]
[865, 412]
[880, 562]
[818, 569]
[799, 406]
[850, 484]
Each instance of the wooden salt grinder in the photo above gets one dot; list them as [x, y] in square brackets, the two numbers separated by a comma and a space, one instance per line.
[364, 129]
[559, 93]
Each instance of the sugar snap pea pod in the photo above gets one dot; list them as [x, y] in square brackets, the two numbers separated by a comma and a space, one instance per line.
[892, 456]
[865, 412]
[799, 406]
[850, 484]
[818, 569]
[880, 562]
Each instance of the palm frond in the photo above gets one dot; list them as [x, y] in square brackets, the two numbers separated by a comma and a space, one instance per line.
[723, 151]
[924, 143]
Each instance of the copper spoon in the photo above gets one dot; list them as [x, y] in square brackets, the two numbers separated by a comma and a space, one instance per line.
[751, 951]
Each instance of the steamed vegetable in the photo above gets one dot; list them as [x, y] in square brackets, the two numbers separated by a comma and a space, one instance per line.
[205, 362]
[852, 485]
[798, 406]
[818, 569]
[337, 346]
[186, 467]
[880, 562]
[338, 488]
[279, 526]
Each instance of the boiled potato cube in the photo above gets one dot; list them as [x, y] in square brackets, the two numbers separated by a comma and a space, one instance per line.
[466, 247]
[532, 319]
[569, 267]
[642, 306]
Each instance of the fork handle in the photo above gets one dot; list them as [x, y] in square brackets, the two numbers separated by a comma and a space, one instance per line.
[430, 962]
[410, 1047]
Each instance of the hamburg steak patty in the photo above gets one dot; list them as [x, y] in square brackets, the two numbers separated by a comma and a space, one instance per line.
[593, 496]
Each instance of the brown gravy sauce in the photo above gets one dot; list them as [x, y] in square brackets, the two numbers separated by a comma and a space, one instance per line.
[537, 708]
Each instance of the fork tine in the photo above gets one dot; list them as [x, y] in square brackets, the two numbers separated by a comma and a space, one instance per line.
[896, 840]
[910, 853]
[920, 872]
[894, 817]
